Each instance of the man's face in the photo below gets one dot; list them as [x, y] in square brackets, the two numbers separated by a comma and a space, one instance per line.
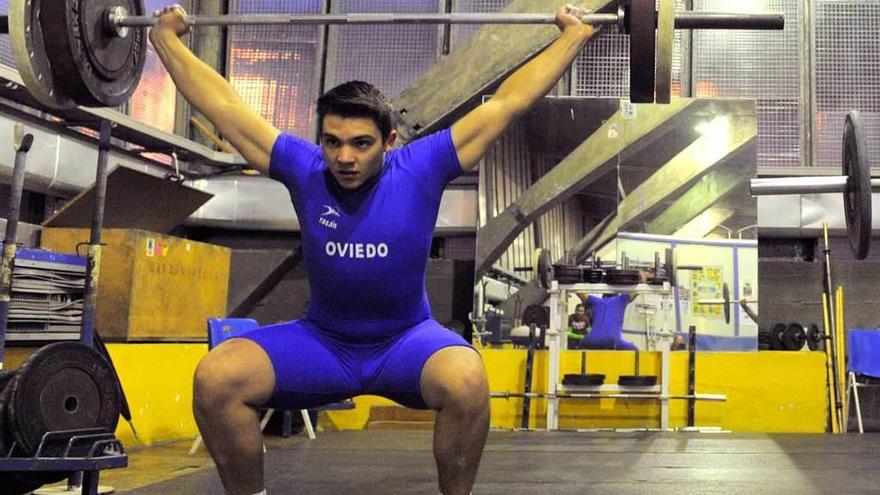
[580, 310]
[353, 148]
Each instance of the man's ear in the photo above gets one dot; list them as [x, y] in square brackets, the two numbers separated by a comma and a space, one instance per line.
[392, 136]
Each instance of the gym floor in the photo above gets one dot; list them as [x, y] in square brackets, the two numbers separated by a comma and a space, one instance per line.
[554, 463]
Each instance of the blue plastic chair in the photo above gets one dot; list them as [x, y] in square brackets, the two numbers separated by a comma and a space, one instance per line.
[221, 329]
[863, 366]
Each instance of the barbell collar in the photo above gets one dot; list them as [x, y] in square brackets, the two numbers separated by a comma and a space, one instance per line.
[683, 20]
[803, 185]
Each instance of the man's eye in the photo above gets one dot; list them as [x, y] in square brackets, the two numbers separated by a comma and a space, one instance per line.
[363, 144]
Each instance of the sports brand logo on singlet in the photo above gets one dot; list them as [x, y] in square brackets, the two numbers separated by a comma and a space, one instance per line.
[326, 218]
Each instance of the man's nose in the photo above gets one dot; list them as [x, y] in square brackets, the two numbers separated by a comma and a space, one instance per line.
[346, 155]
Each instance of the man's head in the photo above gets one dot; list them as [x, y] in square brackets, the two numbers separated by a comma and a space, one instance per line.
[580, 309]
[356, 130]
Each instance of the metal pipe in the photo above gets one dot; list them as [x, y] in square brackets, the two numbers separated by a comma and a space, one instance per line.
[23, 144]
[118, 17]
[597, 395]
[804, 185]
[798, 185]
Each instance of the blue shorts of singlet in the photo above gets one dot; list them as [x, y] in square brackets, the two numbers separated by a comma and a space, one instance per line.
[313, 368]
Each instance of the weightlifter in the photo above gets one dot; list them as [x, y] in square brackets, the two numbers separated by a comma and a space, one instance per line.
[367, 214]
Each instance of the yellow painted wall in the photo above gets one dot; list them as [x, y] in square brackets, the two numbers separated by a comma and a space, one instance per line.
[766, 391]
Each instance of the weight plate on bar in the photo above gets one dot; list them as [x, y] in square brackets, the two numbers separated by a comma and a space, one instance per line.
[542, 268]
[29, 50]
[642, 39]
[670, 266]
[776, 337]
[725, 294]
[665, 43]
[637, 381]
[794, 337]
[100, 69]
[814, 337]
[857, 198]
[62, 386]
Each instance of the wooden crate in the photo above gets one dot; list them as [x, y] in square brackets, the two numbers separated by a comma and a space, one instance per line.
[152, 287]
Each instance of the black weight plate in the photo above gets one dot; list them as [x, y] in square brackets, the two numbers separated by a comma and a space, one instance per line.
[31, 57]
[100, 69]
[857, 199]
[637, 380]
[794, 337]
[62, 386]
[814, 337]
[588, 380]
[670, 266]
[537, 315]
[543, 269]
[593, 275]
[776, 337]
[642, 40]
[725, 294]
[617, 276]
[6, 377]
[12, 483]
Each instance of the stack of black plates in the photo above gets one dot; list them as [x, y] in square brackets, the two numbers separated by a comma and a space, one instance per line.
[615, 276]
[593, 275]
[568, 274]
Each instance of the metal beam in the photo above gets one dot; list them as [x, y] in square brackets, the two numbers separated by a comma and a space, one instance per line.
[729, 138]
[714, 186]
[705, 223]
[473, 68]
[597, 155]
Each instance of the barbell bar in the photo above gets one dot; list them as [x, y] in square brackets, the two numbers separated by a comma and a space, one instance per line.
[90, 53]
[118, 17]
[724, 300]
[597, 395]
[856, 185]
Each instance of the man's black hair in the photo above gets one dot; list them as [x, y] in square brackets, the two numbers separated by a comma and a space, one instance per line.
[357, 99]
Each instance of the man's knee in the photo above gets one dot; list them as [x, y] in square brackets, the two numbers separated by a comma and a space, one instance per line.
[458, 379]
[236, 371]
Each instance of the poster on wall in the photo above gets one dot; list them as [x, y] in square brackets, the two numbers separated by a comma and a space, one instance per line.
[706, 284]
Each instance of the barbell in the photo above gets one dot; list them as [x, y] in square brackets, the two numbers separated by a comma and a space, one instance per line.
[91, 53]
[856, 185]
[599, 395]
[724, 301]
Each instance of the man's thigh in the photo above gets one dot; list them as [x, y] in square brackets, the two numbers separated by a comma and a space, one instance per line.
[310, 368]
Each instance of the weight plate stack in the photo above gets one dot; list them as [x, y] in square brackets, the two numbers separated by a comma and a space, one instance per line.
[568, 274]
[579, 380]
[776, 335]
[62, 386]
[593, 275]
[616, 276]
[794, 337]
[637, 380]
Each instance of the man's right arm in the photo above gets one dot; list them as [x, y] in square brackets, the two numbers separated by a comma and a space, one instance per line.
[209, 93]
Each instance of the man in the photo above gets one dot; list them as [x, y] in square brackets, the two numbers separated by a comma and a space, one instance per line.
[367, 216]
[608, 312]
[578, 326]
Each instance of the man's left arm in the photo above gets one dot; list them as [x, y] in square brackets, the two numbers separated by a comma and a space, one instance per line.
[474, 133]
